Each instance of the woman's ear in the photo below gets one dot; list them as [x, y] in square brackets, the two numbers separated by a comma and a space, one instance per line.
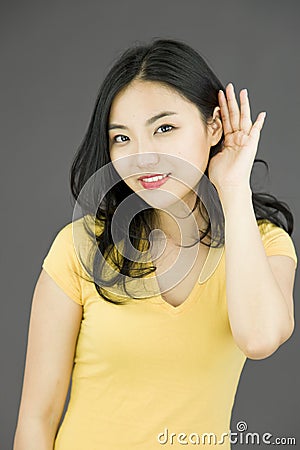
[216, 126]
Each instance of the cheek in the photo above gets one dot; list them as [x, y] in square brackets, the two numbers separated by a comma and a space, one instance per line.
[195, 152]
[192, 162]
[119, 166]
[123, 166]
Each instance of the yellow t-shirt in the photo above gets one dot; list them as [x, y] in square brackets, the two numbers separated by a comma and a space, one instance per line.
[146, 372]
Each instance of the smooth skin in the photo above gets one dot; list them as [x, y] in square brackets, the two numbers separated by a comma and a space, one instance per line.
[153, 129]
[53, 329]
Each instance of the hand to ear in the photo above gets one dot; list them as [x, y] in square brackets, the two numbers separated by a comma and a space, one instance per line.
[231, 168]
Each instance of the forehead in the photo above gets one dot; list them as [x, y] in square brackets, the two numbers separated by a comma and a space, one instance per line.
[148, 96]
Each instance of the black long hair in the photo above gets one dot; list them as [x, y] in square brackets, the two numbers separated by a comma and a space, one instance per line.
[177, 65]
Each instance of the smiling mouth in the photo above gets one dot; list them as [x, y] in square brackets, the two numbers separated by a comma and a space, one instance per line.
[154, 181]
[154, 177]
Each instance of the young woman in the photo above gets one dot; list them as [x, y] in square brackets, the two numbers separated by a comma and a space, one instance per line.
[172, 275]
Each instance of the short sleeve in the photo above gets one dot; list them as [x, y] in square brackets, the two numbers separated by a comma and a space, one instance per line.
[62, 264]
[277, 241]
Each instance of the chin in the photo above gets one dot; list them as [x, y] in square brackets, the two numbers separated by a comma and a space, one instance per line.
[162, 199]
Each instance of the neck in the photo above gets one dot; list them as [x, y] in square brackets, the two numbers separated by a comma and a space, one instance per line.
[180, 225]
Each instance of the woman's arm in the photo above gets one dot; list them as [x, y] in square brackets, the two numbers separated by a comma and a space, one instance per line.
[259, 293]
[53, 330]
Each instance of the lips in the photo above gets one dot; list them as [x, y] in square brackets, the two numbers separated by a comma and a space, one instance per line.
[154, 180]
[152, 175]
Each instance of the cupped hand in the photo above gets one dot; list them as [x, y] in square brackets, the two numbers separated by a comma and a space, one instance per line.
[231, 168]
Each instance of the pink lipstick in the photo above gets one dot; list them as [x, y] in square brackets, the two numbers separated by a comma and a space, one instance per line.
[154, 180]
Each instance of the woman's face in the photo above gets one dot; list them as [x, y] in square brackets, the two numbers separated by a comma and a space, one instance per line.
[154, 131]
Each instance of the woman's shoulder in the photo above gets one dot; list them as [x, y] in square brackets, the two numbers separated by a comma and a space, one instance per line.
[266, 226]
[78, 232]
[69, 252]
[276, 239]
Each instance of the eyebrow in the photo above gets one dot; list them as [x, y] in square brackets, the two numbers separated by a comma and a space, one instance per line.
[148, 122]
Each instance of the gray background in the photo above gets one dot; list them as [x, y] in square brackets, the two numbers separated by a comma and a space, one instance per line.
[54, 56]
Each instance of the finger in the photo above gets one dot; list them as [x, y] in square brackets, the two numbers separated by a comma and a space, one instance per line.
[233, 107]
[224, 113]
[245, 119]
[257, 126]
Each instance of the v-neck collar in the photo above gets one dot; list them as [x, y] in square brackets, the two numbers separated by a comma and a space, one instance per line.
[210, 265]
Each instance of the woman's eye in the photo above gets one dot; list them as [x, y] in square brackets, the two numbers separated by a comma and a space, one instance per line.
[165, 128]
[120, 138]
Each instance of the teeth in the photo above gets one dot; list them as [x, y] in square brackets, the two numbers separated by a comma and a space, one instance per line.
[150, 180]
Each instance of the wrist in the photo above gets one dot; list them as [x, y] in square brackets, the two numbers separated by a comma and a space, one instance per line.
[234, 194]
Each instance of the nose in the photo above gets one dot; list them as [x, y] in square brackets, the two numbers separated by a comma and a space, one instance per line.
[147, 160]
